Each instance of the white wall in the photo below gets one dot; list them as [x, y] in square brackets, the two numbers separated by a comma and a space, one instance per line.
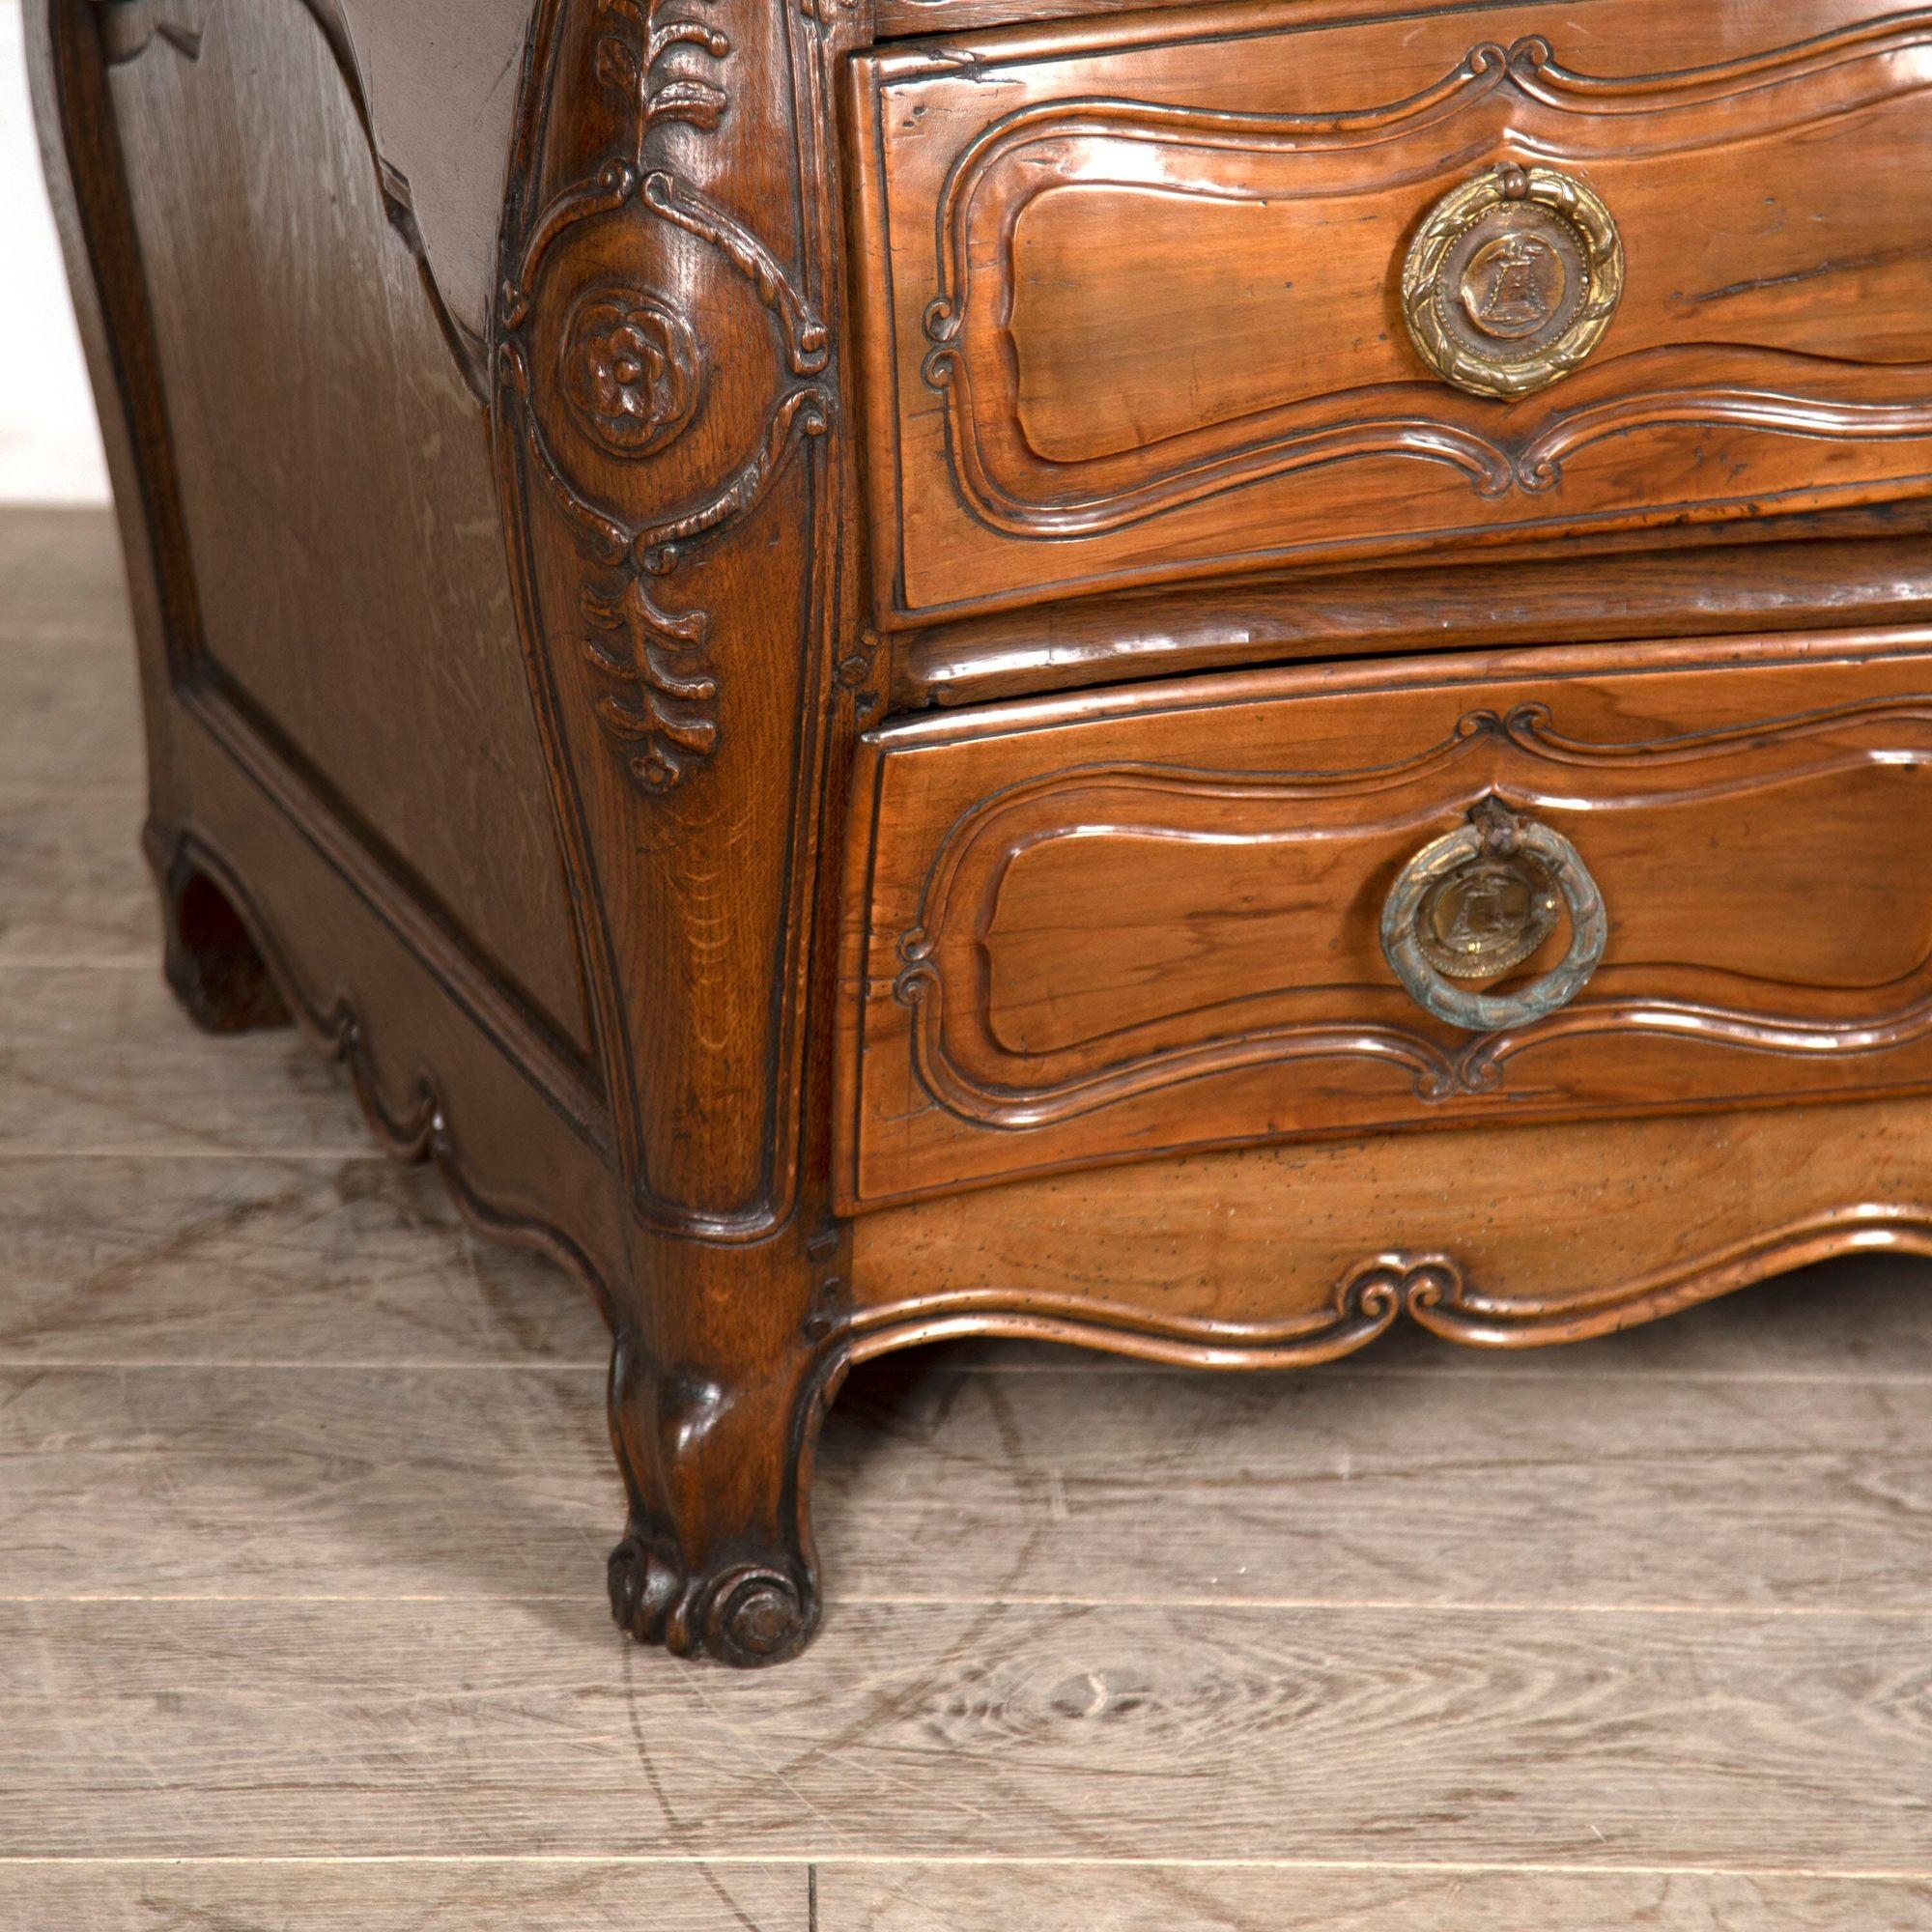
[50, 448]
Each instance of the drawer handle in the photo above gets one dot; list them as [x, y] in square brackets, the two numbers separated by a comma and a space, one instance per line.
[1481, 899]
[1512, 280]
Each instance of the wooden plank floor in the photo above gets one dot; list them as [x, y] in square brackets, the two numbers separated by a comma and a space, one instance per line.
[305, 1496]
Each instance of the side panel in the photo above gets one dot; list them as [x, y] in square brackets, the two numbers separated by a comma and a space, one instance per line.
[333, 478]
[278, 899]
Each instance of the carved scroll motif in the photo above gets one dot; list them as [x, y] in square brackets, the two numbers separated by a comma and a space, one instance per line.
[631, 369]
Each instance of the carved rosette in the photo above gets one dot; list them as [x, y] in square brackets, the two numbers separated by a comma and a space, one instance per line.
[630, 370]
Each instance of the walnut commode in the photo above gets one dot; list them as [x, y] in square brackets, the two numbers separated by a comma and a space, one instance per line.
[1187, 680]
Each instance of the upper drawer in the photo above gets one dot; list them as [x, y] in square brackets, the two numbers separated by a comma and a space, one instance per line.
[1139, 310]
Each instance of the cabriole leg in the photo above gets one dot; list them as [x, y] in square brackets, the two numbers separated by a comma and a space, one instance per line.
[715, 1417]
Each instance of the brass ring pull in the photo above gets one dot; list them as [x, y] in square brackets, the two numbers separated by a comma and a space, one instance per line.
[1512, 280]
[1478, 901]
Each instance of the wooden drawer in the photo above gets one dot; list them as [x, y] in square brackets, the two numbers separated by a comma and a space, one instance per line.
[1084, 930]
[1134, 307]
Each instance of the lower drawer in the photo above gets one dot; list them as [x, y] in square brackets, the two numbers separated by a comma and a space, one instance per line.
[1314, 901]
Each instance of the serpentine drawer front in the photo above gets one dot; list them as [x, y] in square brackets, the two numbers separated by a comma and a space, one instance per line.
[1233, 288]
[1314, 901]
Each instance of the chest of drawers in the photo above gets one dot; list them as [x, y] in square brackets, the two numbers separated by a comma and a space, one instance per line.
[1191, 680]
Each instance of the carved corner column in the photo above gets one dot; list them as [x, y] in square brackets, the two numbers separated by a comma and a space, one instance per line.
[670, 426]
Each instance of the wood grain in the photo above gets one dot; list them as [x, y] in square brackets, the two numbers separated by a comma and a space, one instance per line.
[1343, 1489]
[75, 890]
[1243, 1254]
[567, 1896]
[117, 1260]
[71, 795]
[352, 825]
[1664, 591]
[279, 308]
[601, 1895]
[298, 1607]
[197, 1256]
[1200, 1898]
[100, 1060]
[682, 552]
[243, 1481]
[1789, 1744]
[1858, 1318]
[943, 1483]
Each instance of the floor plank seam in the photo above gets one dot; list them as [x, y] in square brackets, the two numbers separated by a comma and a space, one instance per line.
[209, 1150]
[1421, 1607]
[1251, 1605]
[277, 1365]
[433, 1365]
[90, 962]
[969, 1861]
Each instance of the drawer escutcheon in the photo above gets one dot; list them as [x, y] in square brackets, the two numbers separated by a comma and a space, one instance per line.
[1481, 899]
[1512, 280]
